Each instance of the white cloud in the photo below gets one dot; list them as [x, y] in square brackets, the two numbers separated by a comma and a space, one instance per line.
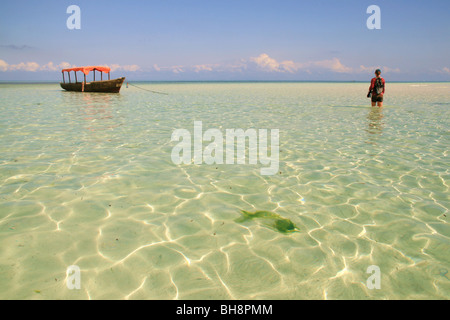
[65, 65]
[3, 65]
[203, 67]
[113, 67]
[28, 66]
[50, 66]
[390, 70]
[263, 63]
[291, 66]
[334, 65]
[117, 67]
[177, 69]
[235, 66]
[445, 69]
[268, 64]
[363, 69]
[131, 68]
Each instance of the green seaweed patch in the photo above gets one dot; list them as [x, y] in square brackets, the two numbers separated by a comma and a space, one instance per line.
[271, 220]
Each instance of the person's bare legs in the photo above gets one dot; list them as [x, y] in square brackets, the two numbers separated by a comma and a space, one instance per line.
[380, 104]
[374, 104]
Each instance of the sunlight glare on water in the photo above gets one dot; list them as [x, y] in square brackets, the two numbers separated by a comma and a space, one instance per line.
[87, 179]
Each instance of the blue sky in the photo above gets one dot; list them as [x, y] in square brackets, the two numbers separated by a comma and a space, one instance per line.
[228, 40]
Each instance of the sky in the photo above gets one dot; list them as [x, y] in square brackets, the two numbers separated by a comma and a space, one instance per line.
[227, 40]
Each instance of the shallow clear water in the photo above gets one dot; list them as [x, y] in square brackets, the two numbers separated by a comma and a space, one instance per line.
[88, 180]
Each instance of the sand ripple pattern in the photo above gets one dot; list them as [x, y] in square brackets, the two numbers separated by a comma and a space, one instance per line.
[87, 180]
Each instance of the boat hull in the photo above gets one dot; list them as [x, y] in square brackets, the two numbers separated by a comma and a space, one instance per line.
[109, 86]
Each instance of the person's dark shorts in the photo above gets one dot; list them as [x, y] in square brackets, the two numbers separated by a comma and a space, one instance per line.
[377, 98]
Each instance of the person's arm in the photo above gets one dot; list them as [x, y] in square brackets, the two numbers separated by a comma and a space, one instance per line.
[372, 85]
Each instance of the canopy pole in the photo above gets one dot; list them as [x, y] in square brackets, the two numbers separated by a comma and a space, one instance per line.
[64, 81]
[101, 75]
[69, 76]
[76, 80]
[94, 74]
[108, 75]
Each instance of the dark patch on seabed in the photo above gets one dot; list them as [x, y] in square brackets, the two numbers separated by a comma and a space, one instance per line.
[271, 220]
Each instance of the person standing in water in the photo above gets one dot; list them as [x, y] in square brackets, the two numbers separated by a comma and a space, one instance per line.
[377, 89]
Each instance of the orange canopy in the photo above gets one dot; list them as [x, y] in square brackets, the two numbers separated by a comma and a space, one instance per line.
[86, 70]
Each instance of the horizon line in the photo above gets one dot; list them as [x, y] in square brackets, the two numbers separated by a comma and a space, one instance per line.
[235, 81]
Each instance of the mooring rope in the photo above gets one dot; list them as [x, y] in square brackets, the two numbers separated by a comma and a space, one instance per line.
[147, 89]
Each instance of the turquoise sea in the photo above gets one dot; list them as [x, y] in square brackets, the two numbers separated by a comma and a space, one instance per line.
[87, 180]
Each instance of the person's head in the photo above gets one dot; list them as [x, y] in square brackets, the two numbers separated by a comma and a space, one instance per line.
[377, 72]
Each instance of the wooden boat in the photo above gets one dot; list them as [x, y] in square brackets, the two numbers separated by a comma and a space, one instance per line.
[110, 86]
